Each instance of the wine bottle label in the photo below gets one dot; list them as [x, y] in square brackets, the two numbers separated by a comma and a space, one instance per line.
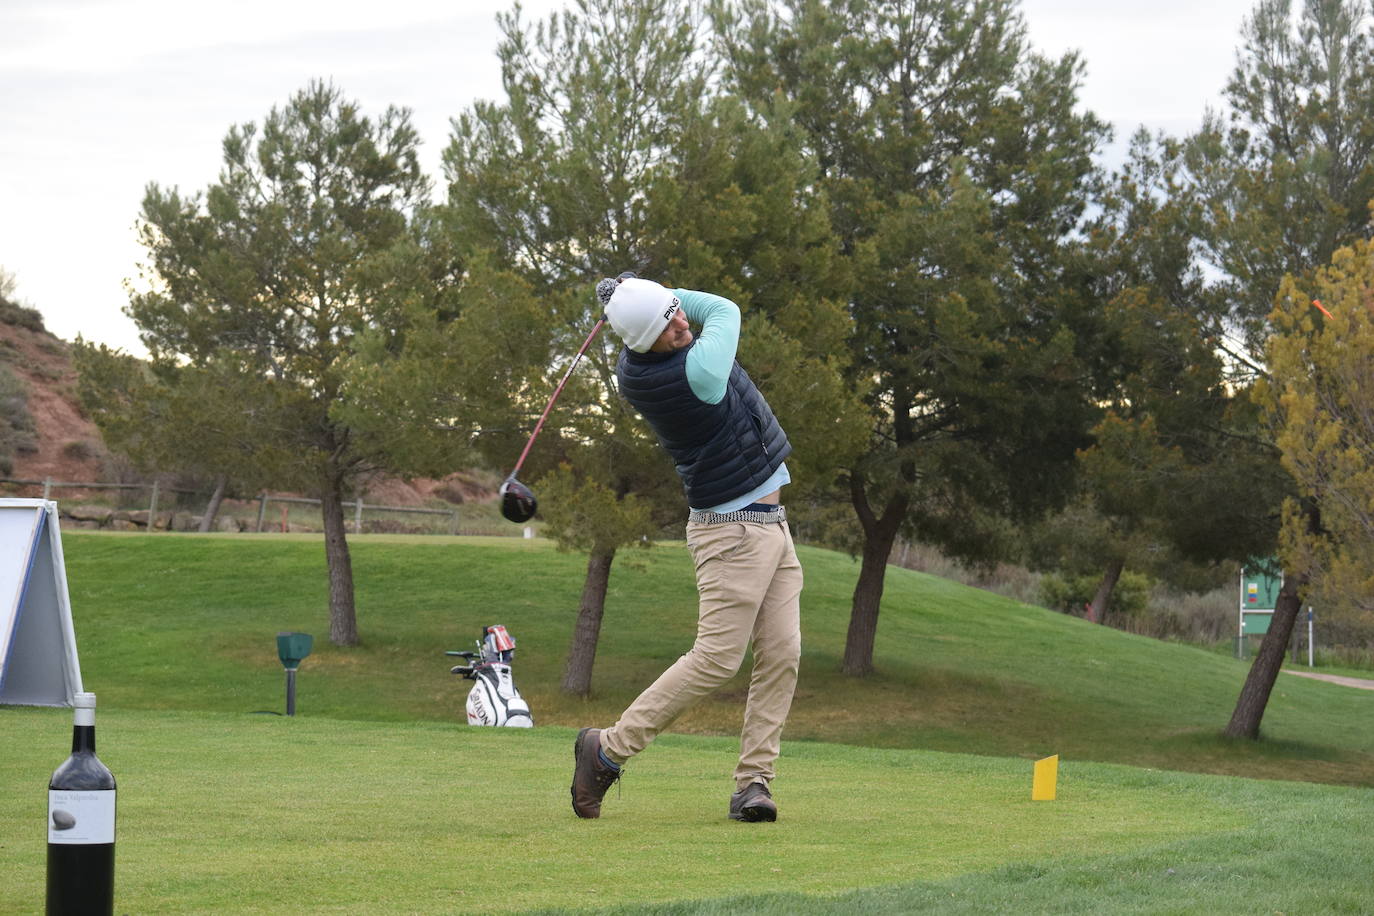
[81, 817]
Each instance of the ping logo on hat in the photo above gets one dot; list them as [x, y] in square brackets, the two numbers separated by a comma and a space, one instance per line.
[639, 310]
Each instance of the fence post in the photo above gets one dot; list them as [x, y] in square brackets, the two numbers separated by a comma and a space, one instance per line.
[453, 521]
[47, 486]
[262, 509]
[152, 509]
[358, 514]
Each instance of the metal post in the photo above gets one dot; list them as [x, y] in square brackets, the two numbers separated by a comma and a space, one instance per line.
[47, 486]
[152, 510]
[358, 515]
[1240, 621]
[262, 509]
[290, 691]
[1309, 637]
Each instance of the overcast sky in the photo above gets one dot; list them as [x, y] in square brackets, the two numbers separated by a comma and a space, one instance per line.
[100, 97]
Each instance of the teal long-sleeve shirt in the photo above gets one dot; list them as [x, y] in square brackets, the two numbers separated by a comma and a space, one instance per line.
[713, 356]
[709, 363]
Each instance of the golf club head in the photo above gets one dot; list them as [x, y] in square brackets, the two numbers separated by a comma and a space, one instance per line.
[517, 502]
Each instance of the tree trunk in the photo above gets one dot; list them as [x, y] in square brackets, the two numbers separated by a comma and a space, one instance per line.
[1097, 610]
[343, 620]
[207, 521]
[577, 676]
[1254, 696]
[879, 535]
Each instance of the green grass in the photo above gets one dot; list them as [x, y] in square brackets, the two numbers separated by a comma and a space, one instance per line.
[188, 622]
[906, 791]
[235, 813]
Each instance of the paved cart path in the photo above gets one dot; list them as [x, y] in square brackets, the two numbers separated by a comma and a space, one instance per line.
[1335, 679]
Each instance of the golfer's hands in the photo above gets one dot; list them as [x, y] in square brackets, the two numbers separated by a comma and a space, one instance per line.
[606, 288]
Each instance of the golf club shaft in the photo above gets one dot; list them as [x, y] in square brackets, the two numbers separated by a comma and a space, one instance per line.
[556, 392]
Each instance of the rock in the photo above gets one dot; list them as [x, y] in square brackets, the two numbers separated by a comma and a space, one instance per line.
[100, 515]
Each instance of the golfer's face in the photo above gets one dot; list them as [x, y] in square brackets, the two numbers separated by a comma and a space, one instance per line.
[675, 336]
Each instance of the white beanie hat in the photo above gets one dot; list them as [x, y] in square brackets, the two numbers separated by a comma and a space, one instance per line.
[639, 310]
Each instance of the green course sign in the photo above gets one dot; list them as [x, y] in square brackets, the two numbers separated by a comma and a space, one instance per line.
[1259, 586]
[1260, 581]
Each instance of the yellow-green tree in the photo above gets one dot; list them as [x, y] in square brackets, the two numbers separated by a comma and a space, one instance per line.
[1320, 397]
[1286, 174]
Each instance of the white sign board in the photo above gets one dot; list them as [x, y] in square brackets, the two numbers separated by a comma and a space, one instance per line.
[38, 663]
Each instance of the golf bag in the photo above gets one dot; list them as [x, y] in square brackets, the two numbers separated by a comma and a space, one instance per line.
[493, 699]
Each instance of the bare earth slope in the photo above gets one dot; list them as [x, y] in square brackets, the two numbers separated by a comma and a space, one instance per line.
[69, 448]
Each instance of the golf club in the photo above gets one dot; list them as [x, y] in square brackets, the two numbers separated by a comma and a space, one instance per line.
[517, 501]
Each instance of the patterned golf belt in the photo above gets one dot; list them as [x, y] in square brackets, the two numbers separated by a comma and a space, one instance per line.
[772, 515]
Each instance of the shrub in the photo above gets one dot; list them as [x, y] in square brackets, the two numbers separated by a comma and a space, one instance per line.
[18, 434]
[21, 316]
[80, 450]
[53, 346]
[1070, 593]
[450, 491]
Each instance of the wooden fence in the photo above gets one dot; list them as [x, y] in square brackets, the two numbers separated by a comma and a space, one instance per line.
[48, 485]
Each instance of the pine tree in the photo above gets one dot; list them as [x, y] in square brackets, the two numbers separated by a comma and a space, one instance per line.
[956, 169]
[287, 307]
[611, 153]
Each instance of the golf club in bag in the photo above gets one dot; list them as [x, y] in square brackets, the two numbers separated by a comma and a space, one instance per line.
[517, 501]
[493, 699]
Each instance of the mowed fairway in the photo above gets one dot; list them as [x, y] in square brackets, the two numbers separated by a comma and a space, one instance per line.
[243, 814]
[189, 622]
[374, 799]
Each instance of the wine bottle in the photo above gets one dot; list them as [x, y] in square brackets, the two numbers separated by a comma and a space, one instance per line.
[81, 824]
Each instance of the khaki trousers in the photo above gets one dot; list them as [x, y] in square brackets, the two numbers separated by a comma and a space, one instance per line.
[750, 582]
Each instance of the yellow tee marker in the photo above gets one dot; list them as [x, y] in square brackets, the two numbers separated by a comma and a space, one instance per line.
[1045, 780]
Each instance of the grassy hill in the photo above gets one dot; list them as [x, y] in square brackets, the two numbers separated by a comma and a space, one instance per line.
[189, 623]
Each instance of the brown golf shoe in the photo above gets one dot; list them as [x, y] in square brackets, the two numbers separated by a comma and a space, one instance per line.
[753, 803]
[591, 777]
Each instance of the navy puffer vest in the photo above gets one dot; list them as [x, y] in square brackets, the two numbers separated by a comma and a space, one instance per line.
[722, 450]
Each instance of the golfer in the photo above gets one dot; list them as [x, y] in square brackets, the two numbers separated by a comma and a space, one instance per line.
[730, 452]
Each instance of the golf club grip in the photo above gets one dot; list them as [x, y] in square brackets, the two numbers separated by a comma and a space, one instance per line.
[556, 392]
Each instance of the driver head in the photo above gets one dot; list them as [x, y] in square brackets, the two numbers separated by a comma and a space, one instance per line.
[517, 502]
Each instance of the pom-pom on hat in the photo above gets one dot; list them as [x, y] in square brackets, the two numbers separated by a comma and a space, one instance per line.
[639, 310]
